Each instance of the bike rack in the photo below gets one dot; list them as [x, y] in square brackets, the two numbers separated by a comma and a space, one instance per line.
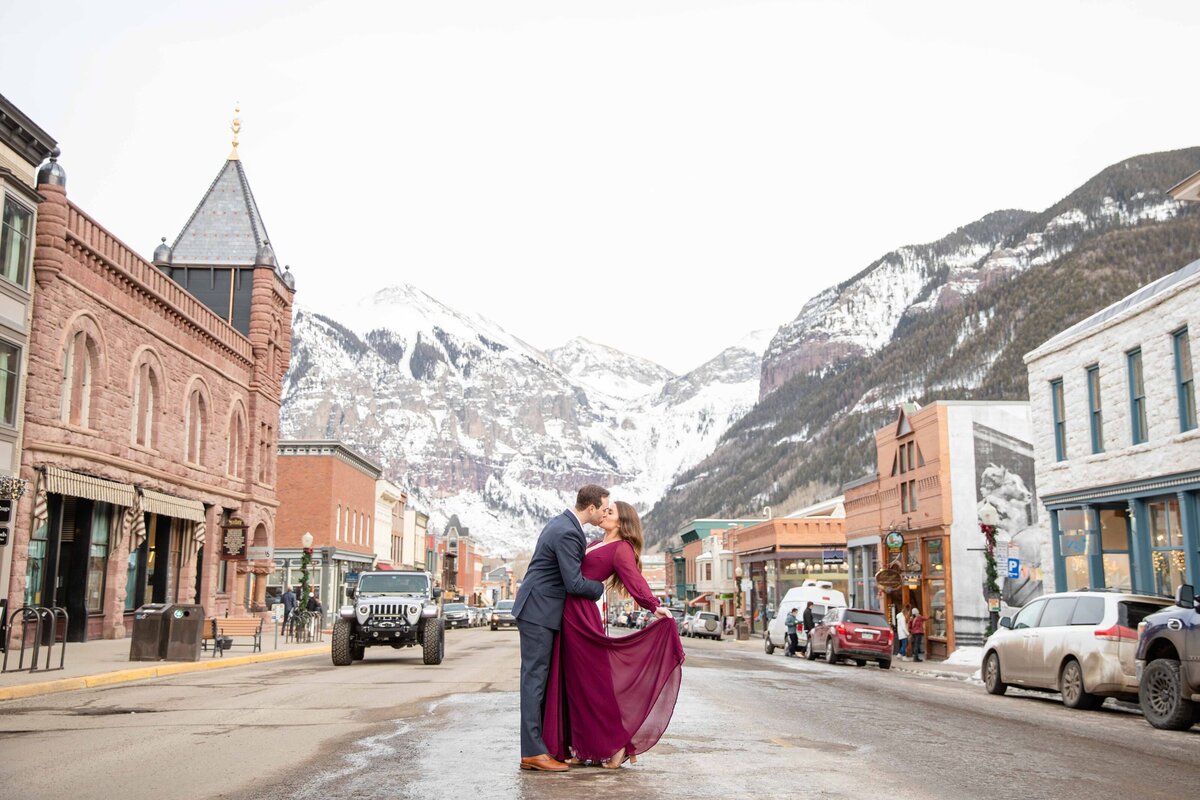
[39, 616]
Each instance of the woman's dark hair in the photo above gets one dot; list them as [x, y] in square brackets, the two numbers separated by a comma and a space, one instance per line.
[630, 529]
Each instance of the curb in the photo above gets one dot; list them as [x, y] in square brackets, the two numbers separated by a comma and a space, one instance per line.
[146, 673]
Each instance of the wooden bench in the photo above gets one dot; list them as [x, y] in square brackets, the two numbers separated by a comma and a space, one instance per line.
[225, 627]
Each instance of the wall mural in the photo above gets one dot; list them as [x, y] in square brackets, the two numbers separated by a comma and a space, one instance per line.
[1004, 477]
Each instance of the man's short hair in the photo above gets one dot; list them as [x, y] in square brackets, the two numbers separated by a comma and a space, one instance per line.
[590, 495]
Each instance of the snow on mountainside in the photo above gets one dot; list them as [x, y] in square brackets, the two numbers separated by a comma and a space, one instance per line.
[863, 314]
[608, 371]
[484, 425]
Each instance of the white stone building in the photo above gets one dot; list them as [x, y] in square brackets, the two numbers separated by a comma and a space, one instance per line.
[390, 501]
[1116, 441]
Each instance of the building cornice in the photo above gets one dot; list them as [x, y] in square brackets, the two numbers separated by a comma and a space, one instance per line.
[23, 135]
[330, 447]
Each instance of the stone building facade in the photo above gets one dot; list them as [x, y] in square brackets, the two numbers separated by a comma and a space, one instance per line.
[148, 422]
[1117, 441]
[23, 147]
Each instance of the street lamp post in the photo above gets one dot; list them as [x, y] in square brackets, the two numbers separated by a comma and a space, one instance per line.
[742, 629]
[305, 562]
[989, 519]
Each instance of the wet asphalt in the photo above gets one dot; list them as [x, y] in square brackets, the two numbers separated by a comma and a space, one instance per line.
[746, 725]
[752, 725]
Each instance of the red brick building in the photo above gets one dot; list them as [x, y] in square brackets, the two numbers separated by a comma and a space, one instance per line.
[151, 409]
[328, 490]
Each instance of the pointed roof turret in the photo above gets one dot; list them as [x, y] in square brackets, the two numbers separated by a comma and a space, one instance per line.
[226, 228]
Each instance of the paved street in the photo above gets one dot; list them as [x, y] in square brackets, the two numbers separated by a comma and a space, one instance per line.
[747, 725]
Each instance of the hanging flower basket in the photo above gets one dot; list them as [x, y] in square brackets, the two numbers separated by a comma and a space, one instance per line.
[12, 487]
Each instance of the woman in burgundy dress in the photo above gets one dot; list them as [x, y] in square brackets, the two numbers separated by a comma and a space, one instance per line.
[609, 699]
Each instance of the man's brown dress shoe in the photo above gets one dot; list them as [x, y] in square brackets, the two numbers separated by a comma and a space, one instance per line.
[545, 763]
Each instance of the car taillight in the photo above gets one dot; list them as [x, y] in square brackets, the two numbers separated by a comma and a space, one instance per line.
[1116, 633]
[841, 629]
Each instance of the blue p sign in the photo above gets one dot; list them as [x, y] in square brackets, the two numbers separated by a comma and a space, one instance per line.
[1014, 568]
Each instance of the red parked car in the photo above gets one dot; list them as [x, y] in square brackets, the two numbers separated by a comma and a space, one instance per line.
[854, 633]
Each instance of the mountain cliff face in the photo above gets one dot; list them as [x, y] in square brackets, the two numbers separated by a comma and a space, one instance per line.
[947, 320]
[479, 423]
[862, 315]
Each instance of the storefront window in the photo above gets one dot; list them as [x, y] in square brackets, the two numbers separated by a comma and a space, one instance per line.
[1072, 546]
[1166, 545]
[131, 583]
[98, 557]
[35, 567]
[936, 594]
[1114, 545]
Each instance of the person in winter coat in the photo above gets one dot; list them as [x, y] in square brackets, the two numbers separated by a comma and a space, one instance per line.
[792, 641]
[289, 603]
[902, 632]
[916, 627]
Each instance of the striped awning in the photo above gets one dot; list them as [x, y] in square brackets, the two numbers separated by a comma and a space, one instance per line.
[76, 484]
[170, 506]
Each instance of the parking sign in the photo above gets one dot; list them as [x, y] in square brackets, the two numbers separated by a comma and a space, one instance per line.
[1014, 568]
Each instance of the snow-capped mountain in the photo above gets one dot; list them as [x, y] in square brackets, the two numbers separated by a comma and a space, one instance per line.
[947, 320]
[862, 315]
[481, 424]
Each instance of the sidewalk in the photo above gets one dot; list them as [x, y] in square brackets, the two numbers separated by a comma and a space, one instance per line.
[106, 661]
[936, 669]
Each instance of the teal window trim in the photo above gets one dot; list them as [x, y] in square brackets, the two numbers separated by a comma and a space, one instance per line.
[1058, 410]
[1137, 397]
[1184, 381]
[1095, 410]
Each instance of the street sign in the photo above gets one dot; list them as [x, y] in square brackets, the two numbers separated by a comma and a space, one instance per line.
[1014, 568]
[351, 577]
[260, 553]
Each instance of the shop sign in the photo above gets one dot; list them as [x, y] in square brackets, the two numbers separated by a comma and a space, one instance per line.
[833, 556]
[993, 605]
[888, 578]
[260, 553]
[233, 545]
[894, 540]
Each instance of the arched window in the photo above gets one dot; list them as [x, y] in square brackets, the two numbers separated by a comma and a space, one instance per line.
[146, 395]
[196, 425]
[79, 364]
[236, 456]
[337, 524]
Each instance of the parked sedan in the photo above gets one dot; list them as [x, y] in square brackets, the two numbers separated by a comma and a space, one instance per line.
[858, 634]
[457, 615]
[1082, 644]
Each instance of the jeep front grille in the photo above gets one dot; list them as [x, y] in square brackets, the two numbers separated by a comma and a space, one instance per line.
[394, 610]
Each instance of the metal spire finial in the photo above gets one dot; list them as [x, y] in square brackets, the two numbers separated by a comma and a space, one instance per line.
[236, 127]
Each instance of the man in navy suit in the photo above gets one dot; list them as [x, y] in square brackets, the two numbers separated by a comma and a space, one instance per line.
[553, 571]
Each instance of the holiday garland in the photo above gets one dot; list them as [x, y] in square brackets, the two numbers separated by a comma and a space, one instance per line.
[993, 574]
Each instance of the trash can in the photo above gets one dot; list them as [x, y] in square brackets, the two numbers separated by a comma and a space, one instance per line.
[184, 627]
[147, 643]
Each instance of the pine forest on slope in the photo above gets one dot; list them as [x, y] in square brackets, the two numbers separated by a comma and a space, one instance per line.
[812, 430]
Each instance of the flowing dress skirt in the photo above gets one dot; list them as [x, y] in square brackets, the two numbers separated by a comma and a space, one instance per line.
[605, 693]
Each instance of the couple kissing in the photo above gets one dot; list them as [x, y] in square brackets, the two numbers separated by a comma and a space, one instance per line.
[586, 697]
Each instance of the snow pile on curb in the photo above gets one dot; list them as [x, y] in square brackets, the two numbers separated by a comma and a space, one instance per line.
[965, 657]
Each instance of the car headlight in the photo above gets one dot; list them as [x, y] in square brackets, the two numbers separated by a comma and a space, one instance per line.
[364, 610]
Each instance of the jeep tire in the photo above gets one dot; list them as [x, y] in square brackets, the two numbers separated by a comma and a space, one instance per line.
[1162, 699]
[433, 641]
[340, 649]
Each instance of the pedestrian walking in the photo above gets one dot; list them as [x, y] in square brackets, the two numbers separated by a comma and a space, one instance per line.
[289, 604]
[809, 622]
[916, 627]
[793, 643]
[902, 632]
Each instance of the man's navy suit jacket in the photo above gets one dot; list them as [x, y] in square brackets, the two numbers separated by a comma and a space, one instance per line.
[553, 572]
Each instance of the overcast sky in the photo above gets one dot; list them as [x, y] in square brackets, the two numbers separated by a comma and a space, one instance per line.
[659, 176]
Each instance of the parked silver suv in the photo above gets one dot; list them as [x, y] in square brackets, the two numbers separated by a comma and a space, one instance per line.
[1082, 644]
